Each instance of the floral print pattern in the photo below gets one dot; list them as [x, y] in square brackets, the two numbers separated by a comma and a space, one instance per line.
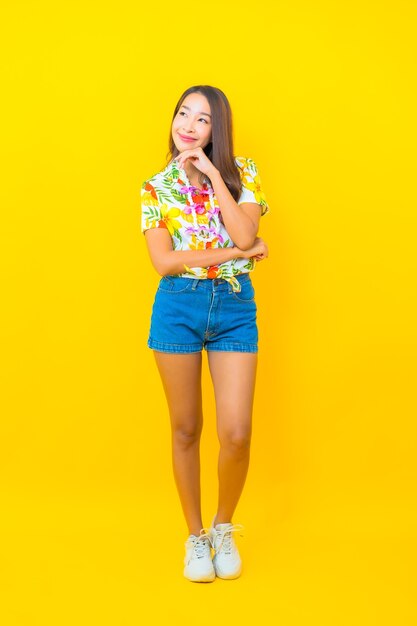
[193, 218]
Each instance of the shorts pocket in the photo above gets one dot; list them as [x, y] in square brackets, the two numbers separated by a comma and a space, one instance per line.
[246, 294]
[174, 284]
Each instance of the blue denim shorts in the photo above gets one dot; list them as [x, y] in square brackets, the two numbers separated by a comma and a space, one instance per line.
[190, 314]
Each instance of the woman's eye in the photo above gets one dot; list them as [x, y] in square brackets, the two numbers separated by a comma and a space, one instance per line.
[201, 118]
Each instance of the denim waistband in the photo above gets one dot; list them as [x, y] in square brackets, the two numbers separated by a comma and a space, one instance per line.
[214, 284]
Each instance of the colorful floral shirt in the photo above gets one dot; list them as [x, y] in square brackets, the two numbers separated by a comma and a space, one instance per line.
[193, 217]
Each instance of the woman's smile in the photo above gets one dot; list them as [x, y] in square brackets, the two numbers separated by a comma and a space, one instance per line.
[187, 139]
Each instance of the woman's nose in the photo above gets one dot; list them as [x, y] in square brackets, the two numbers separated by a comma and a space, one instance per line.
[188, 125]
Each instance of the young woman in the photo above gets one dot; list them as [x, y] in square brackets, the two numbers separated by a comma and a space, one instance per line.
[200, 216]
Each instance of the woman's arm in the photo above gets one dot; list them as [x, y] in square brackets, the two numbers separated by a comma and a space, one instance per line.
[168, 261]
[241, 221]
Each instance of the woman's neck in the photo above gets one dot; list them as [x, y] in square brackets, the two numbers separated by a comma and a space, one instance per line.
[192, 172]
[194, 176]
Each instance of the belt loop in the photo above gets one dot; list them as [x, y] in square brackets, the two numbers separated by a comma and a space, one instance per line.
[195, 281]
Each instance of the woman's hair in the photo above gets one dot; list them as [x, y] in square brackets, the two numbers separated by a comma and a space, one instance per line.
[220, 149]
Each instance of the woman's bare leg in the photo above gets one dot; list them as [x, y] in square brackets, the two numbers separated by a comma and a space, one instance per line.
[181, 379]
[233, 375]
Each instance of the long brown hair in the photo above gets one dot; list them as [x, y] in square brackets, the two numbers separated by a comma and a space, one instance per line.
[220, 149]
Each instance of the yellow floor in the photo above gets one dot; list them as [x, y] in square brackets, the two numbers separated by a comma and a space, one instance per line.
[119, 560]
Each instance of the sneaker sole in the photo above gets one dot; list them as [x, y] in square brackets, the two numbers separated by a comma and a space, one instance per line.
[229, 576]
[204, 579]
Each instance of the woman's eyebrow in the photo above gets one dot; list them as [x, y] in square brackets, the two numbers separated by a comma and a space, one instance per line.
[201, 112]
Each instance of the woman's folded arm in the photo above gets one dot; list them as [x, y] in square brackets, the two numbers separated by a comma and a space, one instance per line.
[168, 261]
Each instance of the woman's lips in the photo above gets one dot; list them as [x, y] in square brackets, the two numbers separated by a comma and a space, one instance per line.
[188, 139]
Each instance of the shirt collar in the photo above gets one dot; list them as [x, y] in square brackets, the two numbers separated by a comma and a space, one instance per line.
[174, 172]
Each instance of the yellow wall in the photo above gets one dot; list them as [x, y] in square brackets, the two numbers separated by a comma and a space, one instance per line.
[324, 101]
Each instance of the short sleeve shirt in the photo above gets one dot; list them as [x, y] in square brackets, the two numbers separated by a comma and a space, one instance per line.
[193, 218]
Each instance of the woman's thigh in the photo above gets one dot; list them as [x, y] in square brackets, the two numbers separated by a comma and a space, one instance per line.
[234, 376]
[181, 379]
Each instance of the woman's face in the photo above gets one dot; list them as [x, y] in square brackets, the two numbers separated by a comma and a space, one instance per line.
[191, 127]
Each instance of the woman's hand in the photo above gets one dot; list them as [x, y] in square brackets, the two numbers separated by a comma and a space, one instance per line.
[198, 158]
[259, 250]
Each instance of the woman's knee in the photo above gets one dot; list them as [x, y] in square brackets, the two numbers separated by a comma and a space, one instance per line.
[187, 433]
[236, 439]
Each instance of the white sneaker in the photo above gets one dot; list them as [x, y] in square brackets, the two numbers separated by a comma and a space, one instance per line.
[227, 562]
[198, 564]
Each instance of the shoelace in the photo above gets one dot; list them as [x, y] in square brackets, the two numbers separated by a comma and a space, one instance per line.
[200, 547]
[225, 543]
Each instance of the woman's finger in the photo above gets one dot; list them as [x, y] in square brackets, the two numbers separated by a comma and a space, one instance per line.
[197, 156]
